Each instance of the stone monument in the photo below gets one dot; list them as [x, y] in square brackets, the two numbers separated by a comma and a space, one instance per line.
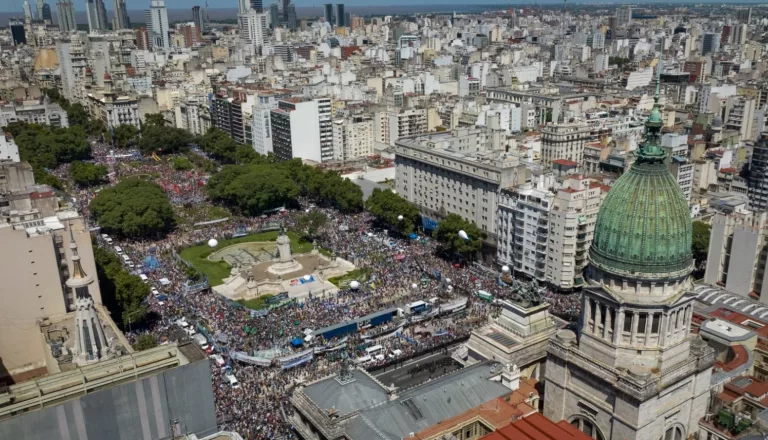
[285, 261]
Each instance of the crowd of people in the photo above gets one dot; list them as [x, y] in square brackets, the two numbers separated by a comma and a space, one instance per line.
[399, 270]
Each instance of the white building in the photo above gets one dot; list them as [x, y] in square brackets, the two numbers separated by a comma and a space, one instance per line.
[523, 226]
[158, 26]
[8, 149]
[254, 28]
[678, 162]
[303, 129]
[601, 62]
[352, 138]
[261, 123]
[392, 124]
[640, 78]
[572, 225]
[115, 109]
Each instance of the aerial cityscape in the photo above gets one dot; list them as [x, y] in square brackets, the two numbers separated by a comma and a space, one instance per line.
[542, 221]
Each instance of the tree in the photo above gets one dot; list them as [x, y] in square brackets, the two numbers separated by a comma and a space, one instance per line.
[134, 208]
[87, 174]
[447, 234]
[154, 120]
[163, 140]
[252, 189]
[182, 163]
[311, 222]
[124, 135]
[46, 147]
[700, 247]
[388, 207]
[145, 342]
[123, 294]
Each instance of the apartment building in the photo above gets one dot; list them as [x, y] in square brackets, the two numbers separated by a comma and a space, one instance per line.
[678, 161]
[457, 172]
[395, 123]
[115, 109]
[41, 111]
[571, 228]
[523, 226]
[352, 138]
[740, 116]
[303, 128]
[563, 141]
[227, 116]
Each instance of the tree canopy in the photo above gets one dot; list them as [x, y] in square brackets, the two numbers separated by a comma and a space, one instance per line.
[134, 208]
[311, 222]
[182, 163]
[46, 147]
[145, 341]
[87, 174]
[125, 135]
[123, 294]
[447, 234]
[154, 120]
[265, 184]
[163, 140]
[700, 246]
[388, 207]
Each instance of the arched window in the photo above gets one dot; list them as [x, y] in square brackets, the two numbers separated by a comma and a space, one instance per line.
[587, 427]
[673, 433]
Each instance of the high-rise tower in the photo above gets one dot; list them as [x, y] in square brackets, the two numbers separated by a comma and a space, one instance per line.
[635, 371]
[121, 20]
[66, 16]
[90, 343]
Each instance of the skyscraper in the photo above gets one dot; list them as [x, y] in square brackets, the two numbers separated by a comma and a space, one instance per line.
[39, 5]
[744, 15]
[624, 15]
[257, 5]
[710, 43]
[198, 19]
[635, 371]
[274, 15]
[28, 16]
[46, 13]
[340, 16]
[121, 20]
[18, 34]
[285, 9]
[158, 26]
[66, 16]
[97, 15]
[291, 16]
[328, 9]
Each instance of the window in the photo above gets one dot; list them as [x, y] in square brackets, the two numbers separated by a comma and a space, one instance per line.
[588, 427]
[673, 433]
[656, 323]
[628, 321]
[641, 323]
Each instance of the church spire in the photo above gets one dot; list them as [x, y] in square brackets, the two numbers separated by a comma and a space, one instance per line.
[650, 150]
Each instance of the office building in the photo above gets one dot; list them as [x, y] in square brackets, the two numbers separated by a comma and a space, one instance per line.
[28, 15]
[45, 14]
[257, 5]
[157, 25]
[564, 142]
[121, 19]
[340, 15]
[757, 177]
[66, 16]
[303, 128]
[744, 15]
[290, 16]
[352, 138]
[710, 43]
[623, 16]
[254, 29]
[274, 15]
[261, 123]
[97, 15]
[456, 172]
[328, 13]
[738, 248]
[198, 18]
[18, 33]
[38, 111]
[635, 372]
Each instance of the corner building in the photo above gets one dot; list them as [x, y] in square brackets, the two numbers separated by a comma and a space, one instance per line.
[634, 371]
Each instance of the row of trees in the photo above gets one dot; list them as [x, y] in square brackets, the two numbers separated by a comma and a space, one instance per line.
[122, 293]
[265, 184]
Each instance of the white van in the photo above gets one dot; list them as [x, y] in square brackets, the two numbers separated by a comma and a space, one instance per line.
[126, 258]
[106, 238]
[232, 380]
[218, 360]
[144, 278]
[119, 250]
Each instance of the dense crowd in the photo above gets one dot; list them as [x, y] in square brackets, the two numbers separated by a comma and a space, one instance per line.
[400, 270]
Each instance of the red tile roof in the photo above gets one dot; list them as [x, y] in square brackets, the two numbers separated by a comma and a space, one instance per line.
[565, 162]
[537, 427]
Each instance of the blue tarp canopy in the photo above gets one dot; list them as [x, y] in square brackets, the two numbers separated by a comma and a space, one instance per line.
[413, 236]
[297, 342]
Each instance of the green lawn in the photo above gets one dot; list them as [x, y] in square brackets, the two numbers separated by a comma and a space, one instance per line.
[216, 271]
[256, 303]
[361, 275]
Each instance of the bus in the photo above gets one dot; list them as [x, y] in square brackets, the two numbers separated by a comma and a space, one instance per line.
[485, 296]
[416, 307]
[373, 351]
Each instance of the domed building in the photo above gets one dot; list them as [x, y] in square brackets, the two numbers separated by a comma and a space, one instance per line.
[632, 370]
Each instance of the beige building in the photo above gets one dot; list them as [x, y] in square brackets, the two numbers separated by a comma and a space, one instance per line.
[393, 124]
[571, 227]
[34, 267]
[352, 138]
[115, 109]
[563, 141]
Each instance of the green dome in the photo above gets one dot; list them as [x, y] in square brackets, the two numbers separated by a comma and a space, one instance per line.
[643, 228]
